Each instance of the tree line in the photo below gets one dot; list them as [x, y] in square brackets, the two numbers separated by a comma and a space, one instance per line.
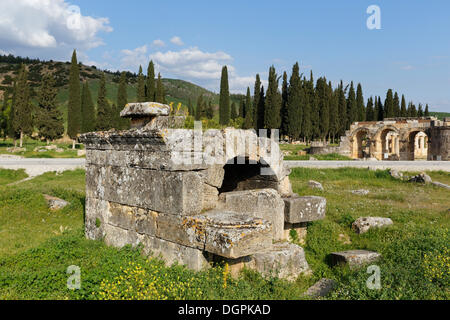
[307, 110]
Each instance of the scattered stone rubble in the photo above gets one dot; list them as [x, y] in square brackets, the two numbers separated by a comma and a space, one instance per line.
[315, 185]
[363, 224]
[321, 288]
[55, 203]
[157, 186]
[354, 258]
[361, 192]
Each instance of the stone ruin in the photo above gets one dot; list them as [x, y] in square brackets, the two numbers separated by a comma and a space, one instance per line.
[195, 197]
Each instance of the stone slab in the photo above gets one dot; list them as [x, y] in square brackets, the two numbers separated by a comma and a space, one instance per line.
[145, 109]
[363, 224]
[354, 258]
[321, 288]
[262, 203]
[304, 209]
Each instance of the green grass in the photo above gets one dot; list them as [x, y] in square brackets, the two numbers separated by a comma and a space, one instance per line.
[37, 245]
[9, 176]
[291, 153]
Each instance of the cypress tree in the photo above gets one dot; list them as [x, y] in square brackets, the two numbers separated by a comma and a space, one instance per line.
[199, 110]
[412, 111]
[140, 93]
[272, 105]
[122, 100]
[307, 110]
[224, 100]
[87, 110]
[104, 119]
[242, 108]
[74, 106]
[5, 114]
[233, 112]
[258, 108]
[160, 95]
[420, 111]
[342, 109]
[22, 109]
[396, 105]
[284, 106]
[360, 103]
[190, 107]
[352, 110]
[370, 114]
[403, 111]
[323, 107]
[249, 113]
[334, 113]
[380, 110]
[209, 110]
[389, 105]
[12, 133]
[294, 114]
[427, 112]
[49, 117]
[150, 90]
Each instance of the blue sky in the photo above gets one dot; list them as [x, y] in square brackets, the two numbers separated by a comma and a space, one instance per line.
[191, 40]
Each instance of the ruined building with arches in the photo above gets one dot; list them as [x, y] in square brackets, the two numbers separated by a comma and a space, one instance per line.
[398, 139]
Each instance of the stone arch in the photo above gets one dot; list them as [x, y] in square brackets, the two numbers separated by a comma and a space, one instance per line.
[387, 143]
[361, 143]
[412, 149]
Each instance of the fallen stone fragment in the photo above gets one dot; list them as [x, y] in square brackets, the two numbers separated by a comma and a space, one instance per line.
[143, 109]
[354, 258]
[363, 224]
[396, 174]
[283, 260]
[315, 185]
[55, 203]
[421, 178]
[361, 192]
[439, 184]
[321, 288]
[304, 209]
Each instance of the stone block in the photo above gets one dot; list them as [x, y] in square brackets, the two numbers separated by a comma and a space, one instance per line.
[282, 260]
[96, 216]
[229, 234]
[315, 185]
[285, 187]
[118, 237]
[363, 224]
[210, 197]
[321, 288]
[304, 209]
[171, 253]
[262, 203]
[213, 175]
[300, 228]
[354, 258]
[144, 109]
[162, 191]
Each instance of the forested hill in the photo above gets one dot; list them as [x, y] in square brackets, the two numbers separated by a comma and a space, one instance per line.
[175, 90]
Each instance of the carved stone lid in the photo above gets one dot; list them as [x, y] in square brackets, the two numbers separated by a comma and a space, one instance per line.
[144, 110]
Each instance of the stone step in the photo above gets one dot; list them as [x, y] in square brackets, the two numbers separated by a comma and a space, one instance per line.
[260, 203]
[283, 260]
[229, 234]
[304, 209]
[321, 288]
[354, 258]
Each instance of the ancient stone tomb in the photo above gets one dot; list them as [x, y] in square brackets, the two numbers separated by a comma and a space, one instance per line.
[195, 197]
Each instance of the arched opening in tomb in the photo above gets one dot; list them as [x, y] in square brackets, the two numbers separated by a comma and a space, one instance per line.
[417, 145]
[390, 144]
[361, 145]
[241, 175]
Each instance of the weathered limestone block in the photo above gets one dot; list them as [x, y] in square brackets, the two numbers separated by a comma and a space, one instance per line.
[283, 260]
[321, 288]
[285, 187]
[118, 237]
[142, 109]
[300, 228]
[96, 217]
[229, 234]
[171, 253]
[213, 175]
[304, 209]
[210, 197]
[55, 203]
[315, 185]
[162, 191]
[263, 203]
[354, 258]
[363, 224]
[161, 122]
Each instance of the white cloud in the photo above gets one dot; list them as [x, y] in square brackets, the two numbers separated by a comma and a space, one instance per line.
[132, 59]
[177, 40]
[158, 43]
[48, 28]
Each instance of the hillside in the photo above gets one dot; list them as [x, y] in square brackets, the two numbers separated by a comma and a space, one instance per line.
[176, 90]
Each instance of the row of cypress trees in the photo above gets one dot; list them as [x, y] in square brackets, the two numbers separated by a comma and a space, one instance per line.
[307, 110]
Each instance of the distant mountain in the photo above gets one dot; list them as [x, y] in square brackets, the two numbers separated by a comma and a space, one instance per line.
[176, 90]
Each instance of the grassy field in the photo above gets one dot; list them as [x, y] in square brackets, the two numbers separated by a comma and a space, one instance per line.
[30, 144]
[291, 153]
[37, 245]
